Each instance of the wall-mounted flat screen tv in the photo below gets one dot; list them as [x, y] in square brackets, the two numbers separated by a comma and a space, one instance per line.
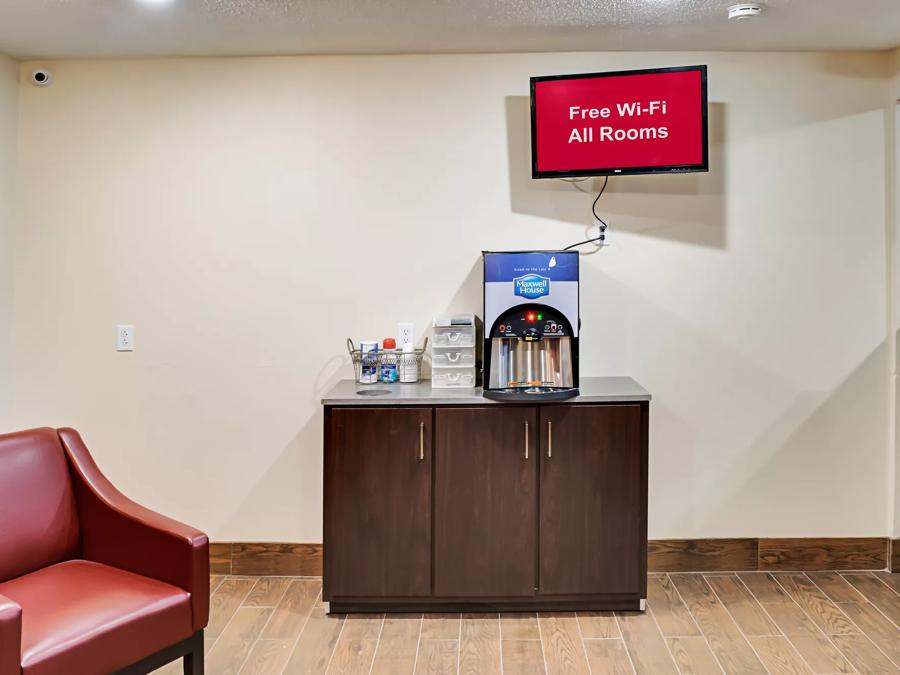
[625, 122]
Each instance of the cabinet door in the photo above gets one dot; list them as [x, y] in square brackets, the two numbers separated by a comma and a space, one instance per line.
[378, 502]
[485, 501]
[593, 497]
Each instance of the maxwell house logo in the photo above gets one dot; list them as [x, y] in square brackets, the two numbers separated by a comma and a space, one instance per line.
[531, 286]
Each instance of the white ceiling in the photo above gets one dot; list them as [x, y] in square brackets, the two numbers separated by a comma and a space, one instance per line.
[135, 28]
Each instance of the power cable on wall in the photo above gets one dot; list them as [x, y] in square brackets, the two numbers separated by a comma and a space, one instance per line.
[603, 224]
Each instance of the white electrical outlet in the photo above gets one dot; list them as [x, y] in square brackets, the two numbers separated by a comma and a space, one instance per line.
[602, 233]
[125, 337]
[406, 334]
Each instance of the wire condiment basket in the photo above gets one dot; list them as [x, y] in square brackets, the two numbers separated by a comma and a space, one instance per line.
[364, 363]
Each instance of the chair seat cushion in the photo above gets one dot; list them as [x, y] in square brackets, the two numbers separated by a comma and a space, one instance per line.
[83, 617]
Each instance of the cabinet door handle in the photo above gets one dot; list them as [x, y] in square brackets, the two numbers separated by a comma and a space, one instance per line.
[421, 440]
[549, 439]
[526, 440]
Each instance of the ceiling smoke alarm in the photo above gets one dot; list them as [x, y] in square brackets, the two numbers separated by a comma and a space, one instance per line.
[745, 10]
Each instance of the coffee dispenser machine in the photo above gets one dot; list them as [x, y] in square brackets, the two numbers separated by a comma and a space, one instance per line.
[531, 325]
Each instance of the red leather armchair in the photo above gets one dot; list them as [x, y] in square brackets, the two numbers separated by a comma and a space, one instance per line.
[90, 582]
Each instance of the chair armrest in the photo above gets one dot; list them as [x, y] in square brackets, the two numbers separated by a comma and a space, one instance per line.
[118, 532]
[10, 637]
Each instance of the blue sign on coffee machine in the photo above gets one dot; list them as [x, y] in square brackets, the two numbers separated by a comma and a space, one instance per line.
[531, 321]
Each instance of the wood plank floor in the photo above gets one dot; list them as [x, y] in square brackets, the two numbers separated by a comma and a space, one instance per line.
[776, 623]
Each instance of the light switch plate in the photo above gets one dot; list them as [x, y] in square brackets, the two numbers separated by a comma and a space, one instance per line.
[125, 337]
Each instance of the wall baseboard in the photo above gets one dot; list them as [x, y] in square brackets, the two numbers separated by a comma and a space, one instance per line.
[768, 555]
[818, 554]
[266, 559]
[702, 555]
[664, 555]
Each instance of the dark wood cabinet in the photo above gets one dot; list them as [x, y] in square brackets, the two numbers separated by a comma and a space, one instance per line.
[485, 501]
[497, 507]
[592, 528]
[378, 502]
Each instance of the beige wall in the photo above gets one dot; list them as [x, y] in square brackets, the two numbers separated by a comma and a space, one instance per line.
[247, 215]
[893, 144]
[9, 109]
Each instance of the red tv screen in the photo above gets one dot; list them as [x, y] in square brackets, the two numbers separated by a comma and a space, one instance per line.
[627, 122]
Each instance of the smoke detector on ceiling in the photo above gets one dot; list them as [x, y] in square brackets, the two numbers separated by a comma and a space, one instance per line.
[745, 10]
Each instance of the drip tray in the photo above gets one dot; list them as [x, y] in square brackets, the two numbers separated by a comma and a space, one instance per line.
[531, 393]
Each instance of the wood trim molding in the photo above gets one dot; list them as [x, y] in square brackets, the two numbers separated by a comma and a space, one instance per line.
[219, 558]
[824, 554]
[765, 554]
[702, 555]
[266, 559]
[664, 555]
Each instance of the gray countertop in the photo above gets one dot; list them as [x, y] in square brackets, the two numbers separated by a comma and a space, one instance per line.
[593, 390]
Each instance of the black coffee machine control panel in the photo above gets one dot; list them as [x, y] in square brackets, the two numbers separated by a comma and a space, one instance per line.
[531, 323]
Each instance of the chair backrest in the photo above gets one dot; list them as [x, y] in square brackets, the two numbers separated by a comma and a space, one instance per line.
[38, 516]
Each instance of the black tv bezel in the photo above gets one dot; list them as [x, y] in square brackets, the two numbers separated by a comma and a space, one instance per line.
[623, 171]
